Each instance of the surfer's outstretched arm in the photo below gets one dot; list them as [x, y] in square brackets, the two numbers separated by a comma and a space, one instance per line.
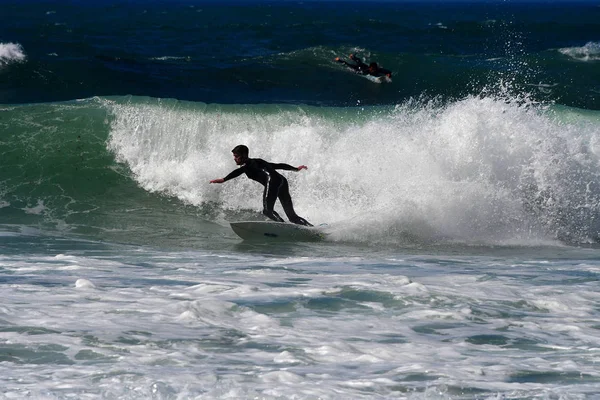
[346, 63]
[359, 66]
[233, 174]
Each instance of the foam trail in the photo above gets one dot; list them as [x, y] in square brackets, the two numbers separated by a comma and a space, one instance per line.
[476, 170]
[589, 52]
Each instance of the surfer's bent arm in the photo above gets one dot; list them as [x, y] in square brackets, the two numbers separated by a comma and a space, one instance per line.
[288, 167]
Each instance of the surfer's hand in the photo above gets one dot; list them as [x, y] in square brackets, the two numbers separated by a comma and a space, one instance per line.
[302, 167]
[219, 180]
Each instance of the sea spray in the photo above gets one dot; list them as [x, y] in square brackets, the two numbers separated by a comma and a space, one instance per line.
[589, 52]
[11, 53]
[474, 170]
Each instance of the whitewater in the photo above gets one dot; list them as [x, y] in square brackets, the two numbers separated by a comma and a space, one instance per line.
[479, 170]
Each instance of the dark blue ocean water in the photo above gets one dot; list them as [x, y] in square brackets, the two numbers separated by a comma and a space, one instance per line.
[239, 52]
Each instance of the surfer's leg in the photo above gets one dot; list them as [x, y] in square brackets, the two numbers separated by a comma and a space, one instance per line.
[269, 198]
[288, 206]
[274, 216]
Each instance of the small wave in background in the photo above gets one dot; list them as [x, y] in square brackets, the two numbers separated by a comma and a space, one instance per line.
[11, 53]
[589, 52]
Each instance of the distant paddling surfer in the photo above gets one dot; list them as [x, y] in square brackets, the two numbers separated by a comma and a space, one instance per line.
[276, 186]
[361, 68]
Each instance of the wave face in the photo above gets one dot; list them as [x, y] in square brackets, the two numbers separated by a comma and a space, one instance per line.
[114, 121]
[242, 52]
[477, 170]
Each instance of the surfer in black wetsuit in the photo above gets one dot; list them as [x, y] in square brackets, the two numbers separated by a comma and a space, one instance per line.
[361, 68]
[276, 186]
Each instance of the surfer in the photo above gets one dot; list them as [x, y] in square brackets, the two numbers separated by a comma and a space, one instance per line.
[276, 185]
[361, 68]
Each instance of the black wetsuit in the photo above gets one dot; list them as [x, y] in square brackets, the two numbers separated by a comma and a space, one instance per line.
[276, 186]
[360, 67]
[363, 69]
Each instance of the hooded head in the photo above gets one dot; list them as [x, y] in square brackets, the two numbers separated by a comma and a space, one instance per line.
[240, 154]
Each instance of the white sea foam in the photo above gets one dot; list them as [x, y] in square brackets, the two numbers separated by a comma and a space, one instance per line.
[476, 170]
[588, 52]
[168, 58]
[11, 53]
[37, 209]
[354, 336]
[84, 284]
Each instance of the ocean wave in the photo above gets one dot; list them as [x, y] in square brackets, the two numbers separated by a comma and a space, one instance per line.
[11, 53]
[589, 52]
[170, 58]
[477, 169]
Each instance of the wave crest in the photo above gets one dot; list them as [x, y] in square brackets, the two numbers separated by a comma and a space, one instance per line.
[589, 52]
[475, 170]
[11, 53]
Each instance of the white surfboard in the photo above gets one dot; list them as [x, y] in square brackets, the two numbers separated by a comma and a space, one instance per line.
[270, 230]
[378, 79]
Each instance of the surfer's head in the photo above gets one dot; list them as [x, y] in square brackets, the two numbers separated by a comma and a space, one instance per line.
[240, 154]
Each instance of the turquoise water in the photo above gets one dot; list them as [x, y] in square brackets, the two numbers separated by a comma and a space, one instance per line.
[475, 171]
[461, 259]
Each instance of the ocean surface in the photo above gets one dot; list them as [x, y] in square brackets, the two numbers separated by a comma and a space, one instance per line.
[460, 202]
